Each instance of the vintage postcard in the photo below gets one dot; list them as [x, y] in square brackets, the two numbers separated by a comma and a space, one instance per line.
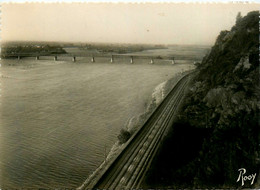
[129, 95]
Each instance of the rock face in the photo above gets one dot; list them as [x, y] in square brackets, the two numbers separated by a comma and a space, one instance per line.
[228, 97]
[224, 100]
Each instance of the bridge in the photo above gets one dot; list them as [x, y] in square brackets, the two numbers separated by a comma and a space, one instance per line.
[128, 169]
[111, 57]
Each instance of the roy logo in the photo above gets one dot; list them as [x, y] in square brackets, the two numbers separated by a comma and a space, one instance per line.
[243, 177]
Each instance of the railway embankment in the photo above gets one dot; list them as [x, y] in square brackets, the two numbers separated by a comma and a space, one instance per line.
[137, 146]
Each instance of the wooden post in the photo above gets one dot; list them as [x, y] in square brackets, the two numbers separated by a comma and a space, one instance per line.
[37, 58]
[74, 58]
[18, 57]
[152, 61]
[55, 58]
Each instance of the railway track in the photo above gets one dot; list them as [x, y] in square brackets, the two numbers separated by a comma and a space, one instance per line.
[128, 170]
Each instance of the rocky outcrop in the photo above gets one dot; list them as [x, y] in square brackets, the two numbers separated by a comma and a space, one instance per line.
[229, 98]
[224, 101]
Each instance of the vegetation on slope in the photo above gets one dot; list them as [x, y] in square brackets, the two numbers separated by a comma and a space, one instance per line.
[28, 49]
[217, 132]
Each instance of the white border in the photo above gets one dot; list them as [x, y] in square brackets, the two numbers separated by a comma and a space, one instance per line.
[133, 1]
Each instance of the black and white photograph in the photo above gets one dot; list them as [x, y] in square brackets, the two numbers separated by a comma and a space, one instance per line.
[104, 95]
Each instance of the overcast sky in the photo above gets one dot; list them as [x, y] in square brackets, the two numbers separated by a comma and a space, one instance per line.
[120, 23]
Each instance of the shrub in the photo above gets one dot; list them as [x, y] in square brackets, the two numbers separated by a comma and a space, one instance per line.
[123, 136]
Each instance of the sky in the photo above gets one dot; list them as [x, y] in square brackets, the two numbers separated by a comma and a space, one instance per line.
[146, 23]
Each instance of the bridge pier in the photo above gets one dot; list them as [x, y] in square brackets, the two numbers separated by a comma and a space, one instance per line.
[74, 58]
[132, 60]
[173, 61]
[37, 58]
[55, 58]
[93, 59]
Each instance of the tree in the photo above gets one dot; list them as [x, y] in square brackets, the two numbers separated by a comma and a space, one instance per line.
[239, 17]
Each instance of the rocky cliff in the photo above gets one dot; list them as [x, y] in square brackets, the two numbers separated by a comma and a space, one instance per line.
[221, 115]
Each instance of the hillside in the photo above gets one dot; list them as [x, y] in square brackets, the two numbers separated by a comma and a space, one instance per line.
[217, 132]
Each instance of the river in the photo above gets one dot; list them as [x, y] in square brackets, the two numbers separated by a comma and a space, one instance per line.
[59, 119]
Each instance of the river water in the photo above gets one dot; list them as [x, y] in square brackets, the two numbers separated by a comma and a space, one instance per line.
[58, 119]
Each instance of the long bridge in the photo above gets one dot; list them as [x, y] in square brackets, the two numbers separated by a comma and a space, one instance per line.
[128, 169]
[111, 57]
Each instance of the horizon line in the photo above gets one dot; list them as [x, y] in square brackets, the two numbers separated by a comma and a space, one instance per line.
[89, 42]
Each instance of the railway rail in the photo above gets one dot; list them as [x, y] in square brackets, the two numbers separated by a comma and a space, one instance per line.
[129, 168]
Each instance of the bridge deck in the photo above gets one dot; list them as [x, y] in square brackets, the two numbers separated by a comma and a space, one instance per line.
[91, 55]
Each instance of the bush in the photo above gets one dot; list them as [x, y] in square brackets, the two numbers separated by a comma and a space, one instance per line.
[123, 136]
